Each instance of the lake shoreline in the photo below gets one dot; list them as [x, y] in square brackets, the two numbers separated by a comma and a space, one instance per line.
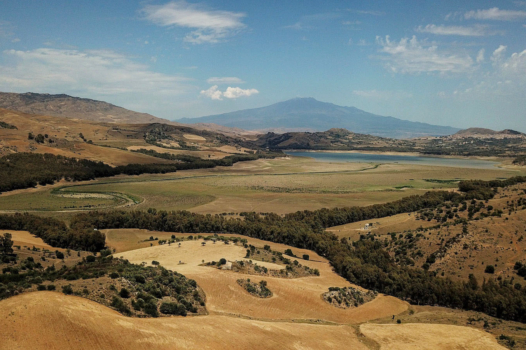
[408, 154]
[401, 158]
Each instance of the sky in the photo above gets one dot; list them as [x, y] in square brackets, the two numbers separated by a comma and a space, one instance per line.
[456, 63]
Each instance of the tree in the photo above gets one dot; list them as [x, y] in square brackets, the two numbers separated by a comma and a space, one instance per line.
[490, 269]
[59, 255]
[6, 244]
[305, 257]
[124, 293]
[40, 138]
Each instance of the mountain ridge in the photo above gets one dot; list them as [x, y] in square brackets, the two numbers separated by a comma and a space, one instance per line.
[309, 114]
[62, 105]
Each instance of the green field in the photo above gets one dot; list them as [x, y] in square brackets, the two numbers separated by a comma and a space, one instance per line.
[279, 185]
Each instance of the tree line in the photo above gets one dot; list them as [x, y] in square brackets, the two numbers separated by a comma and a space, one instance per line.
[25, 170]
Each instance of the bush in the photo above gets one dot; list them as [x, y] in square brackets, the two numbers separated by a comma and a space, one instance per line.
[120, 305]
[173, 309]
[222, 261]
[140, 279]
[90, 258]
[105, 252]
[114, 275]
[41, 287]
[59, 255]
[124, 293]
[156, 263]
[51, 287]
[67, 289]
[305, 257]
[151, 308]
[490, 269]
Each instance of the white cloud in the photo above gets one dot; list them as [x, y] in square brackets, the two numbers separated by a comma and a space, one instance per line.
[224, 80]
[213, 92]
[382, 95]
[231, 92]
[98, 73]
[480, 56]
[498, 53]
[235, 92]
[477, 30]
[495, 14]
[413, 57]
[211, 26]
[508, 78]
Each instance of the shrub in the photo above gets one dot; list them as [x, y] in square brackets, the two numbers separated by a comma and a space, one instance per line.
[156, 263]
[120, 305]
[490, 269]
[114, 275]
[90, 258]
[222, 261]
[51, 287]
[305, 257]
[41, 287]
[67, 289]
[124, 293]
[105, 252]
[140, 279]
[173, 309]
[150, 308]
[59, 255]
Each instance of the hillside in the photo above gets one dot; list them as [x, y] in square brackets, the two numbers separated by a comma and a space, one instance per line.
[488, 133]
[308, 114]
[73, 107]
[333, 139]
[110, 143]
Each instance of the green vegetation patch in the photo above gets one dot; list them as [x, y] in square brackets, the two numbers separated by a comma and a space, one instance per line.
[259, 290]
[133, 290]
[5, 125]
[348, 297]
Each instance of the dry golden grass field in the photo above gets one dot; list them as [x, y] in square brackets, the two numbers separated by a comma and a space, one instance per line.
[236, 320]
[291, 296]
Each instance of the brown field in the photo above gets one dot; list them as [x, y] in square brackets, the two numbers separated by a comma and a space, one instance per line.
[46, 320]
[225, 296]
[427, 337]
[24, 238]
[51, 320]
[382, 226]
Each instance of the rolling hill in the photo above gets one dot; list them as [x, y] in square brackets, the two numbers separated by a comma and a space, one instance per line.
[74, 107]
[308, 114]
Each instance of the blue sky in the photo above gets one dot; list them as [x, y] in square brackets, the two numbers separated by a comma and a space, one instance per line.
[458, 63]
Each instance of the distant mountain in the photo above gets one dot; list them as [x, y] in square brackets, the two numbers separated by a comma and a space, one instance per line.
[308, 114]
[74, 107]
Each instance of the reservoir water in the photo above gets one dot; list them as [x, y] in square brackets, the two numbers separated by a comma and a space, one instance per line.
[385, 158]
